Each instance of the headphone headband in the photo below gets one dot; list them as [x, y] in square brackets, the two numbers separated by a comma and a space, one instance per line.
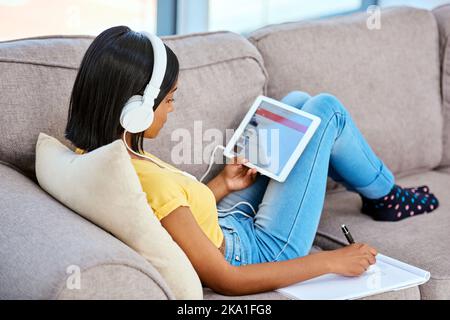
[159, 66]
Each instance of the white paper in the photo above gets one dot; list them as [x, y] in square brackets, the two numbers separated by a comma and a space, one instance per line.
[386, 274]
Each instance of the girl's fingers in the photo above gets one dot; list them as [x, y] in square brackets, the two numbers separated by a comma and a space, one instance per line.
[251, 173]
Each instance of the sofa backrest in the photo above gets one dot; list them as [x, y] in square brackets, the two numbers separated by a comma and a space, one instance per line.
[221, 73]
[388, 78]
[442, 15]
[36, 78]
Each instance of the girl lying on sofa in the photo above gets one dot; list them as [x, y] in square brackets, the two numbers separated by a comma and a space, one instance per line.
[244, 250]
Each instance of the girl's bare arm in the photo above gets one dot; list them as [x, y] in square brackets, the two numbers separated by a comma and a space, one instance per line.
[216, 273]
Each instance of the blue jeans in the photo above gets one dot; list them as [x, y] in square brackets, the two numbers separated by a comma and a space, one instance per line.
[288, 213]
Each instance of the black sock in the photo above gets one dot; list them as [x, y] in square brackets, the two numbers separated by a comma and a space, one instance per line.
[400, 203]
[423, 189]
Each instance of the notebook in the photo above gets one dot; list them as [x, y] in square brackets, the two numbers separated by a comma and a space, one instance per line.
[387, 274]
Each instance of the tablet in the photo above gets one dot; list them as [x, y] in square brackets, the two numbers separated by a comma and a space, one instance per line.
[272, 136]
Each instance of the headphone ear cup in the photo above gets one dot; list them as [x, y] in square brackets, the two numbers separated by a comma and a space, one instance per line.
[133, 103]
[136, 116]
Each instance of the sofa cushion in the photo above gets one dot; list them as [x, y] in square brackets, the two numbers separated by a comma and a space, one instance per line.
[42, 242]
[387, 78]
[221, 74]
[445, 169]
[422, 241]
[103, 187]
[442, 15]
[118, 283]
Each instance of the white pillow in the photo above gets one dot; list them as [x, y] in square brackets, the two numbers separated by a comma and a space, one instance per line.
[103, 187]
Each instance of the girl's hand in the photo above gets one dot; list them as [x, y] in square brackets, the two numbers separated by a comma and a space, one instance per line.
[352, 260]
[237, 176]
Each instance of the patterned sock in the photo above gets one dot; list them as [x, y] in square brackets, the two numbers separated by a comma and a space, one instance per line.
[422, 189]
[400, 203]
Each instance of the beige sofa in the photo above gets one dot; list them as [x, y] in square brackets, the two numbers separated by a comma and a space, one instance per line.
[395, 81]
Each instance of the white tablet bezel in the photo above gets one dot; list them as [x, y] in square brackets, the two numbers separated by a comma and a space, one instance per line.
[298, 150]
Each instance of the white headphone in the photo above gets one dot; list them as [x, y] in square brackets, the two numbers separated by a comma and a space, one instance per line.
[137, 114]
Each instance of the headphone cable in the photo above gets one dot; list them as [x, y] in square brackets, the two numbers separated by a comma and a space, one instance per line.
[211, 161]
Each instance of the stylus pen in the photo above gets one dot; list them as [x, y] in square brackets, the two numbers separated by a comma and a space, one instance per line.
[347, 234]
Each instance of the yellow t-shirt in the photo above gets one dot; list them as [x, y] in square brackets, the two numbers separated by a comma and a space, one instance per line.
[167, 190]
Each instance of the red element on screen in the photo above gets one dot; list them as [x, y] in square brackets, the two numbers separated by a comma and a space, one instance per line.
[284, 121]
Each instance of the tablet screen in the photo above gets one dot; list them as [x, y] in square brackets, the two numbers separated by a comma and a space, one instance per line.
[271, 136]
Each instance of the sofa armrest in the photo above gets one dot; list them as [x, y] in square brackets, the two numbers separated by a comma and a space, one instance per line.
[49, 252]
[442, 15]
